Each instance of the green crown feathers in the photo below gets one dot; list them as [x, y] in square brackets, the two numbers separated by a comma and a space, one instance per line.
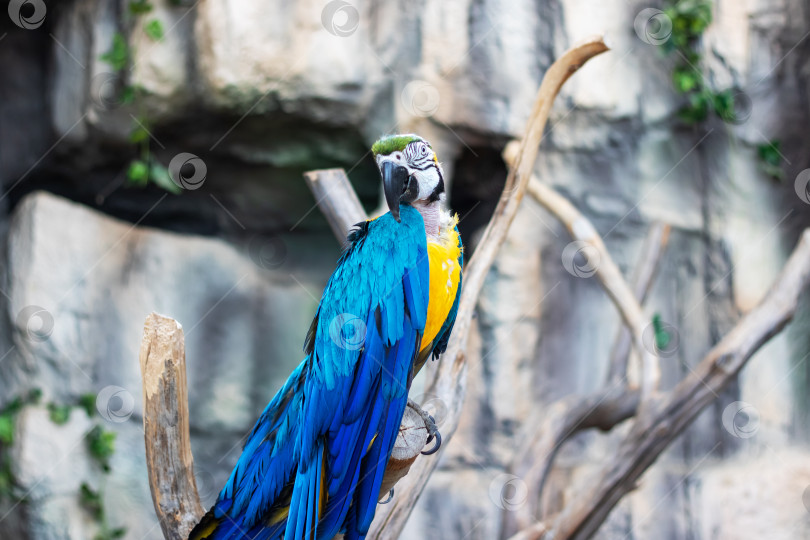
[394, 143]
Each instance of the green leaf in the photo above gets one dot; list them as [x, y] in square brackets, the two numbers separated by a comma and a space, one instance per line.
[101, 445]
[88, 403]
[154, 29]
[6, 484]
[138, 134]
[696, 111]
[770, 159]
[159, 175]
[118, 55]
[59, 414]
[662, 337]
[128, 95]
[139, 7]
[138, 172]
[118, 533]
[34, 395]
[770, 152]
[723, 103]
[15, 405]
[686, 79]
[775, 172]
[91, 501]
[6, 428]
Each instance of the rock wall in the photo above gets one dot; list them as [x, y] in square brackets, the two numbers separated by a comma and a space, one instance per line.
[262, 91]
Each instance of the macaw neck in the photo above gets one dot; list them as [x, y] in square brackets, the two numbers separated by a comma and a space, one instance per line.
[434, 217]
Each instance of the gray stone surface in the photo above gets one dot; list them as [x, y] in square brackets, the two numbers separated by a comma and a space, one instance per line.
[242, 324]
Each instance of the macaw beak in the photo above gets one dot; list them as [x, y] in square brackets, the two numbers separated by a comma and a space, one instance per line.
[398, 186]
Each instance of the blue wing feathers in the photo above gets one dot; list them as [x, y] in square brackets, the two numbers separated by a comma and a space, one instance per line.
[313, 465]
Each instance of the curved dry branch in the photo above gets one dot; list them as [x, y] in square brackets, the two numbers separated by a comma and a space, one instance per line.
[652, 251]
[449, 383]
[533, 460]
[603, 409]
[608, 273]
[672, 412]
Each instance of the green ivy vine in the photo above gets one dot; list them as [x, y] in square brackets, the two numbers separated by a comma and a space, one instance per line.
[145, 167]
[100, 445]
[690, 18]
[8, 427]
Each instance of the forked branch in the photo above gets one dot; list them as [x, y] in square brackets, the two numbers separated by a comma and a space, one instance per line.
[607, 271]
[675, 410]
[602, 409]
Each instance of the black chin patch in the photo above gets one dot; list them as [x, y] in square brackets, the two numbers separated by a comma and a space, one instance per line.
[438, 190]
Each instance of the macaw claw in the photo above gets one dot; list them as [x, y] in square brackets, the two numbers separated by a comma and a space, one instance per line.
[438, 437]
[430, 424]
[390, 496]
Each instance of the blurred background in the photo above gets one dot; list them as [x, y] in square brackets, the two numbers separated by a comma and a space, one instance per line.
[698, 117]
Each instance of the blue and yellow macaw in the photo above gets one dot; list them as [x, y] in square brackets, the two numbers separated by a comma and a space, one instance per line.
[313, 464]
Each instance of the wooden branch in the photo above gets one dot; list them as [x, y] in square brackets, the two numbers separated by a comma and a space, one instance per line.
[449, 383]
[652, 251]
[608, 273]
[602, 409]
[336, 199]
[165, 425]
[534, 458]
[673, 412]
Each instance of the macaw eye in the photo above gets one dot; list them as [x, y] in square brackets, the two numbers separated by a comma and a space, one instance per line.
[424, 150]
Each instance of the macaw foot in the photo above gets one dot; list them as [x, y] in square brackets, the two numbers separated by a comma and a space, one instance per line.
[390, 496]
[430, 424]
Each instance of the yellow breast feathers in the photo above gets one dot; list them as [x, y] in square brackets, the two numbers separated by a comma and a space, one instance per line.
[444, 275]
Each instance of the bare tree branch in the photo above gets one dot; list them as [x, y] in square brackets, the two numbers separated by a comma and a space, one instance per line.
[675, 410]
[602, 409]
[608, 273]
[165, 425]
[652, 250]
[534, 458]
[449, 383]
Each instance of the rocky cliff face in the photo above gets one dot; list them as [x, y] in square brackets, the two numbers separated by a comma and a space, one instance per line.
[260, 92]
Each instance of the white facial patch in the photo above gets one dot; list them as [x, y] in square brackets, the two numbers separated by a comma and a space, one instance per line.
[419, 159]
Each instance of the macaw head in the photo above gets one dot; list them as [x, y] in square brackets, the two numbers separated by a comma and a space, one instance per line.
[410, 171]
